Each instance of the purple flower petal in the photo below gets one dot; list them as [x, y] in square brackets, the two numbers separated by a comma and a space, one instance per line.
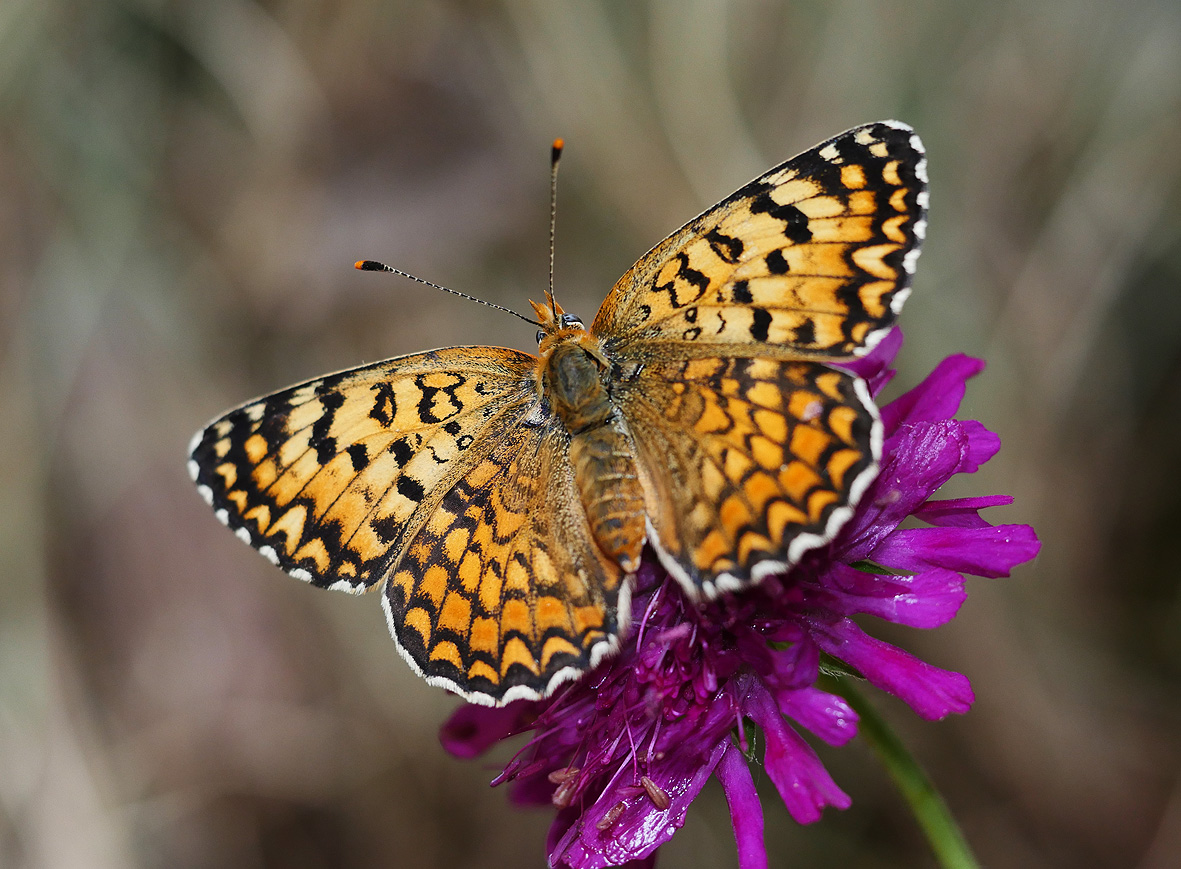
[792, 765]
[930, 691]
[797, 666]
[991, 552]
[620, 827]
[470, 731]
[919, 459]
[928, 599]
[874, 368]
[746, 812]
[937, 397]
[826, 715]
[982, 446]
[960, 512]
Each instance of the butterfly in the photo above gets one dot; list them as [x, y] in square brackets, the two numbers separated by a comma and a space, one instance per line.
[502, 500]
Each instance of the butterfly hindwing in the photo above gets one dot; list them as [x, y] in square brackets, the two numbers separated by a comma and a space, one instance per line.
[813, 258]
[748, 462]
[503, 593]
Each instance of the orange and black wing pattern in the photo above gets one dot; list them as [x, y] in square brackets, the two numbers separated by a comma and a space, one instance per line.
[753, 450]
[813, 259]
[748, 463]
[330, 479]
[447, 477]
[502, 593]
[440, 475]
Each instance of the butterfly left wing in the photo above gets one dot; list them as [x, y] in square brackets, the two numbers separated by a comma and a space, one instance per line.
[811, 260]
[330, 478]
[503, 594]
[440, 474]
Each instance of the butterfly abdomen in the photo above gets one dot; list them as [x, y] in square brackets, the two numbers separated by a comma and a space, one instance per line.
[605, 473]
[602, 456]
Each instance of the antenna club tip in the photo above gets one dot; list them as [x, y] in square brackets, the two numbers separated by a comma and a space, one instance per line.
[556, 152]
[359, 264]
[368, 265]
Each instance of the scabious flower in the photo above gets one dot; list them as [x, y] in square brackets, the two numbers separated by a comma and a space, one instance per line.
[622, 752]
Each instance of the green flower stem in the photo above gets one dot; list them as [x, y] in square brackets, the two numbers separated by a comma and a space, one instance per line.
[931, 812]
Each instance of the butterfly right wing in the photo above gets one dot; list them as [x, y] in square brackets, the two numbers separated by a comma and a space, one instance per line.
[751, 450]
[330, 479]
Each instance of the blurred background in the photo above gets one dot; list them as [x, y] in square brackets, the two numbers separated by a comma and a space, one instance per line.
[184, 186]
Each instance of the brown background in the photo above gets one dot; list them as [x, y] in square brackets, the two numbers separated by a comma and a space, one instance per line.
[183, 189]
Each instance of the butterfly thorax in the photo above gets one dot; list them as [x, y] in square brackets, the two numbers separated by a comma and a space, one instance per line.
[573, 379]
[573, 382]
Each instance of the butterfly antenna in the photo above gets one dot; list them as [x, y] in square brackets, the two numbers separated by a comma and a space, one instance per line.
[555, 156]
[368, 265]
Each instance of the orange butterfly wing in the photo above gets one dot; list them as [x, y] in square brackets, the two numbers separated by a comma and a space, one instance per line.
[752, 450]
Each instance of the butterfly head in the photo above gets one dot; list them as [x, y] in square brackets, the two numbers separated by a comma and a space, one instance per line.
[555, 323]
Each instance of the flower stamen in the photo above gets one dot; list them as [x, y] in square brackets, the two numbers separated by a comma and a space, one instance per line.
[657, 794]
[610, 817]
[561, 776]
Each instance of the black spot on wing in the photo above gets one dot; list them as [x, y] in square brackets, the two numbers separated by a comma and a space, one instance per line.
[850, 150]
[761, 324]
[776, 264]
[727, 247]
[401, 450]
[741, 293]
[439, 403]
[795, 222]
[692, 276]
[359, 456]
[387, 529]
[273, 424]
[323, 443]
[409, 488]
[385, 407]
[805, 333]
[687, 274]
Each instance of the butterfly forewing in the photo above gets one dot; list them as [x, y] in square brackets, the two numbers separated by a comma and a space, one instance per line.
[812, 259]
[326, 479]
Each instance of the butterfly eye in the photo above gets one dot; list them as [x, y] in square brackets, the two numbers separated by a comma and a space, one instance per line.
[540, 335]
[571, 321]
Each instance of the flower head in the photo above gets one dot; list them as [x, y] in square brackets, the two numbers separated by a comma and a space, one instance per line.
[623, 752]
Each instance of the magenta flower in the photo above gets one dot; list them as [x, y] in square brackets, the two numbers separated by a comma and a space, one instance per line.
[622, 752]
